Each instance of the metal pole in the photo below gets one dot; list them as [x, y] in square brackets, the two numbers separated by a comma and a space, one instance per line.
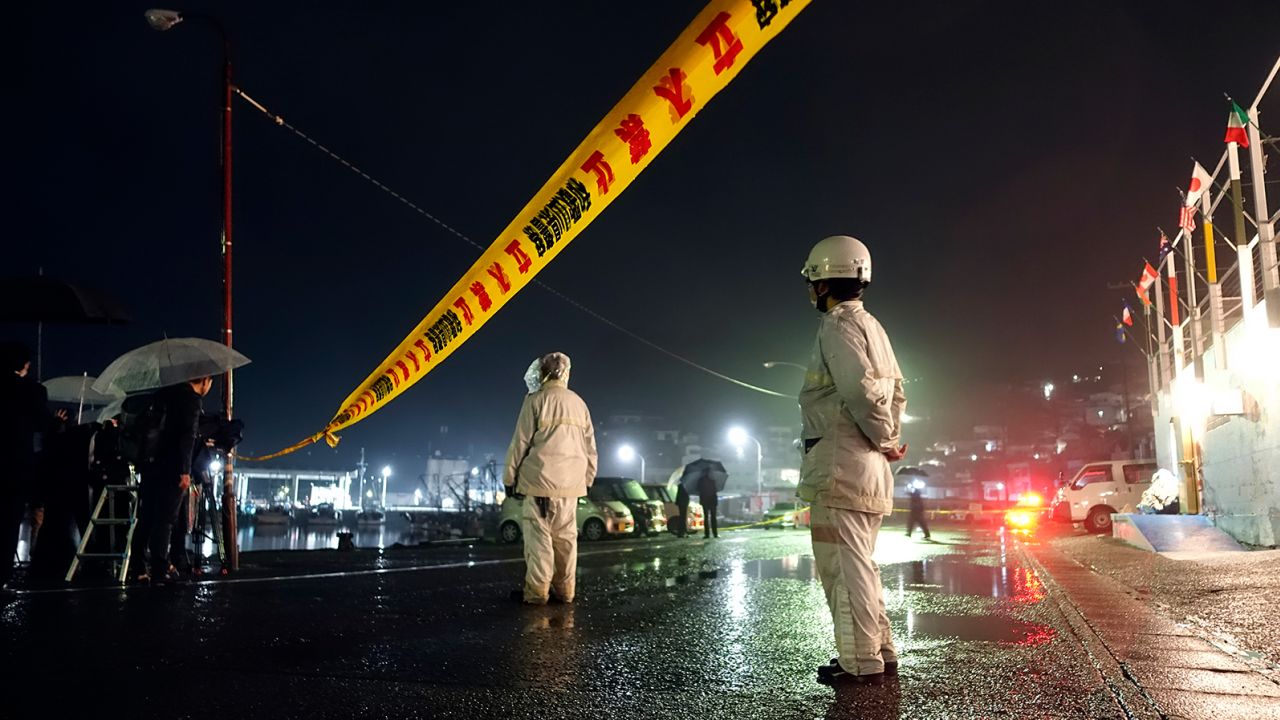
[228, 471]
[1165, 366]
[641, 467]
[1266, 233]
[759, 469]
[1193, 304]
[1243, 254]
[1215, 290]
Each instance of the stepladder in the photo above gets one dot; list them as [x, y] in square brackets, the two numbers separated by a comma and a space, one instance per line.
[109, 536]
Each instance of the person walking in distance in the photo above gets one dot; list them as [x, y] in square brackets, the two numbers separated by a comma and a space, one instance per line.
[915, 518]
[551, 462]
[707, 496]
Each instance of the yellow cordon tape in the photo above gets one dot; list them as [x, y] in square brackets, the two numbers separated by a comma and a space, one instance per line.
[701, 62]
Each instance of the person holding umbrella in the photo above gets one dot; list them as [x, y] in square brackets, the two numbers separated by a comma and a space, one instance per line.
[24, 413]
[851, 404]
[707, 478]
[165, 445]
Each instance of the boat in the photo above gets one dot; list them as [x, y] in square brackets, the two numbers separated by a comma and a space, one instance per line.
[273, 515]
[325, 514]
[371, 516]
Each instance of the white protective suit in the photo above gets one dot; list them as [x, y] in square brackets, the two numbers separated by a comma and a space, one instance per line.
[552, 461]
[851, 403]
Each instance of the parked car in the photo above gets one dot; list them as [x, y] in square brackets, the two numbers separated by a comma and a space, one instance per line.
[649, 514]
[1100, 489]
[666, 494]
[596, 519]
[787, 514]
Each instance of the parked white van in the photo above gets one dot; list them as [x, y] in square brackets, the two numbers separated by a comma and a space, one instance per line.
[1102, 488]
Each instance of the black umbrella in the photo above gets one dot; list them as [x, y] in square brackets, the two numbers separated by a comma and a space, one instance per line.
[696, 470]
[37, 298]
[912, 471]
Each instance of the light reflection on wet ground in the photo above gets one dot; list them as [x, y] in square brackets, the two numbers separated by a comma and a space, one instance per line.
[669, 628]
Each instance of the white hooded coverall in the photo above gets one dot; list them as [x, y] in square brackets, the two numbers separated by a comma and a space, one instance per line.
[552, 462]
[851, 403]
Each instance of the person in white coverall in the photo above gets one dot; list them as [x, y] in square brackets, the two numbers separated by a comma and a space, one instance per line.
[552, 462]
[851, 404]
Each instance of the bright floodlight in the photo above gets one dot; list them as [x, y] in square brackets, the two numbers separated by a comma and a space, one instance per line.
[999, 486]
[737, 436]
[906, 418]
[770, 364]
[1048, 390]
[626, 453]
[475, 471]
[386, 471]
[215, 467]
[160, 19]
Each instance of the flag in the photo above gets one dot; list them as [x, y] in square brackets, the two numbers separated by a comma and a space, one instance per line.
[1119, 333]
[1166, 247]
[1237, 121]
[1200, 182]
[1187, 218]
[1148, 279]
[1127, 317]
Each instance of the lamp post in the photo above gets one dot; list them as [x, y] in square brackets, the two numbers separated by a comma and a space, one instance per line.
[775, 363]
[626, 454]
[739, 437]
[386, 473]
[162, 20]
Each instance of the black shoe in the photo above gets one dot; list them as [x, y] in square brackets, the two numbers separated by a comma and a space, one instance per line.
[833, 674]
[833, 669]
[891, 668]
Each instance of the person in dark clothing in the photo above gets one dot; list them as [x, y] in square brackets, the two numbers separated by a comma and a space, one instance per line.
[65, 465]
[24, 413]
[707, 496]
[916, 516]
[682, 505]
[166, 479]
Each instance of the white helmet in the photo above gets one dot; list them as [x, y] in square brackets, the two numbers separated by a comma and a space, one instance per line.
[838, 256]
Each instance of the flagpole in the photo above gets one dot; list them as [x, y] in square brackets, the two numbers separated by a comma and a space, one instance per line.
[1215, 290]
[1244, 256]
[1164, 366]
[1197, 358]
[1266, 233]
[1175, 319]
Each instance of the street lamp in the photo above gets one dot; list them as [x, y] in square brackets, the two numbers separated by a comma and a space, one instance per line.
[739, 437]
[386, 473]
[163, 20]
[775, 363]
[626, 454]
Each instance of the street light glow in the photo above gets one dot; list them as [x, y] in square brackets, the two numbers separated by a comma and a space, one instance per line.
[737, 436]
[215, 467]
[626, 453]
[161, 19]
[386, 471]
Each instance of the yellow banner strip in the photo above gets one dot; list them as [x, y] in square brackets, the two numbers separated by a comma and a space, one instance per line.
[701, 62]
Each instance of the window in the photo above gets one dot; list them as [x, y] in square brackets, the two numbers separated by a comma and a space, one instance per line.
[1134, 474]
[1092, 474]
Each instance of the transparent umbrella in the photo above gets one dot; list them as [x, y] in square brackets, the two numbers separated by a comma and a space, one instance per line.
[167, 362]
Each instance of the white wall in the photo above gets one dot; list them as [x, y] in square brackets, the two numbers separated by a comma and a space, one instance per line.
[1240, 454]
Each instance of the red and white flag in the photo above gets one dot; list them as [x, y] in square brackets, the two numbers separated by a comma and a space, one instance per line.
[1237, 121]
[1149, 277]
[1127, 317]
[1187, 218]
[1200, 182]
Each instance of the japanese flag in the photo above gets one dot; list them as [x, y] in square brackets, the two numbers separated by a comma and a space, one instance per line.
[1200, 182]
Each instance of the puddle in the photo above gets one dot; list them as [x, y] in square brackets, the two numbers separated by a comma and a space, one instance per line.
[957, 576]
[984, 628]
[791, 567]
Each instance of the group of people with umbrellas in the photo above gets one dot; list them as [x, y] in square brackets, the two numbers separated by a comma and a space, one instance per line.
[57, 462]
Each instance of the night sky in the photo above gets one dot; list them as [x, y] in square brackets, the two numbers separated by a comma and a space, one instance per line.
[1004, 162]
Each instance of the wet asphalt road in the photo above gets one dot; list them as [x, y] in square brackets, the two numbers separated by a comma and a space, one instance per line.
[663, 628]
